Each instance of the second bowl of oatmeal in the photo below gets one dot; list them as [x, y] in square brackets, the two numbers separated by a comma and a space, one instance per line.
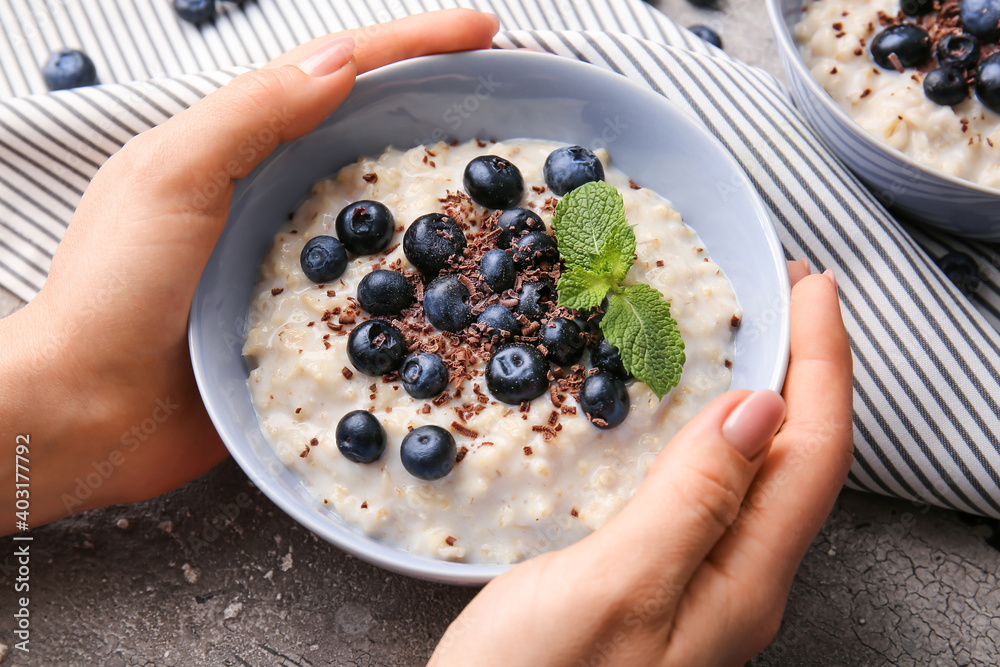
[269, 341]
[931, 162]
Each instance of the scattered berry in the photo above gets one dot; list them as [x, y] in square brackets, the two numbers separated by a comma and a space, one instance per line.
[605, 357]
[384, 292]
[535, 249]
[707, 34]
[982, 19]
[946, 86]
[961, 270]
[428, 452]
[499, 323]
[563, 341]
[446, 304]
[604, 397]
[365, 227]
[431, 241]
[69, 68]
[493, 182]
[360, 437]
[517, 373]
[958, 50]
[988, 82]
[516, 221]
[569, 167]
[196, 11]
[323, 259]
[535, 298]
[424, 375]
[376, 347]
[910, 43]
[497, 269]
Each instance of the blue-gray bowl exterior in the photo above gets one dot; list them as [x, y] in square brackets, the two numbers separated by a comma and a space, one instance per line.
[898, 181]
[486, 94]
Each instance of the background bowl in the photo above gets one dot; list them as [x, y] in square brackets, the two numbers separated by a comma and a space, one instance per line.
[900, 182]
[485, 94]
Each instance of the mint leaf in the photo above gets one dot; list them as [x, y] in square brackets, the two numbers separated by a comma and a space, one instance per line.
[583, 289]
[638, 323]
[592, 231]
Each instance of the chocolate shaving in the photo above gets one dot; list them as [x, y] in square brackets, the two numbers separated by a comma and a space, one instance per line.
[371, 177]
[528, 451]
[450, 541]
[735, 321]
[462, 451]
[894, 59]
[465, 430]
[275, 291]
[573, 512]
[348, 373]
[364, 505]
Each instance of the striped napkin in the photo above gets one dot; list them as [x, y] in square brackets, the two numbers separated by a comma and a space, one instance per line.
[926, 420]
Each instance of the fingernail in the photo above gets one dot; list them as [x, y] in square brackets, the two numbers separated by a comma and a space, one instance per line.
[494, 19]
[804, 261]
[832, 276]
[328, 58]
[754, 422]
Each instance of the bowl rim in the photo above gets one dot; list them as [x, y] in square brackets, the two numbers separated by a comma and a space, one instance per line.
[365, 547]
[787, 43]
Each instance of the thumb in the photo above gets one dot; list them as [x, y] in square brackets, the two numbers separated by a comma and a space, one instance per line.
[694, 489]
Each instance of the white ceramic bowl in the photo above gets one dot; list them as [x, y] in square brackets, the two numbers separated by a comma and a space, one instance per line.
[906, 186]
[506, 95]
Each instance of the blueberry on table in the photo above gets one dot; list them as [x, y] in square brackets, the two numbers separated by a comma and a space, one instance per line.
[323, 259]
[497, 269]
[499, 323]
[493, 182]
[988, 82]
[604, 399]
[916, 7]
[605, 357]
[946, 86]
[517, 373]
[428, 452]
[911, 44]
[384, 292]
[958, 50]
[365, 227]
[424, 375]
[376, 347]
[982, 19]
[431, 241]
[446, 304]
[961, 270]
[535, 249]
[707, 34]
[196, 11]
[569, 167]
[563, 341]
[69, 68]
[360, 437]
[534, 299]
[514, 222]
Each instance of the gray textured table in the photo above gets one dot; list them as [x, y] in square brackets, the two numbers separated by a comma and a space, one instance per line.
[214, 574]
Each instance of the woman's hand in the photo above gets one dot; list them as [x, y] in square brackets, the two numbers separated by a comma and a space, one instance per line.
[95, 369]
[696, 569]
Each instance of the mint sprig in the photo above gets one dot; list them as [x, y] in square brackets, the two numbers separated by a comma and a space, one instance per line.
[598, 247]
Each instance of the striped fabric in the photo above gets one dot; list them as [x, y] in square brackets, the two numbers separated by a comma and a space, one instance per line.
[926, 414]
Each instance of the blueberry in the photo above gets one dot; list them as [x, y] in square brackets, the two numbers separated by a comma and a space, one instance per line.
[605, 357]
[910, 43]
[535, 249]
[517, 373]
[385, 292]
[493, 182]
[431, 241]
[365, 227]
[959, 50]
[946, 86]
[424, 375]
[376, 347]
[535, 298]
[428, 452]
[69, 68]
[916, 7]
[961, 270]
[563, 341]
[446, 304]
[497, 269]
[604, 399]
[516, 221]
[360, 437]
[195, 11]
[499, 322]
[982, 19]
[988, 82]
[707, 34]
[589, 323]
[569, 167]
[323, 259]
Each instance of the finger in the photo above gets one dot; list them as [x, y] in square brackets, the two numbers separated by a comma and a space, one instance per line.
[442, 31]
[798, 270]
[692, 492]
[798, 482]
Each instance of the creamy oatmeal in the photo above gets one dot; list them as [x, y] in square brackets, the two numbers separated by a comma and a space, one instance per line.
[529, 478]
[835, 38]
